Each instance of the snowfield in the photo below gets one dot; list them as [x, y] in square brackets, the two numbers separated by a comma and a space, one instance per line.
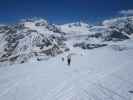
[77, 28]
[100, 74]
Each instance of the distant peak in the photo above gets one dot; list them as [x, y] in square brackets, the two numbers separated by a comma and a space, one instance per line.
[77, 24]
[36, 20]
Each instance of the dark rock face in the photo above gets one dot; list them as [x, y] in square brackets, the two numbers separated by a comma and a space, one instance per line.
[97, 35]
[54, 28]
[116, 36]
[89, 46]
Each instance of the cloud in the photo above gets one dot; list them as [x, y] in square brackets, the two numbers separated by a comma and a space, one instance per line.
[126, 12]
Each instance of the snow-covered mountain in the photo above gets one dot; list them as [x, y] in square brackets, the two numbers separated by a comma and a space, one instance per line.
[27, 39]
[75, 28]
[114, 29]
[101, 60]
[36, 38]
[91, 36]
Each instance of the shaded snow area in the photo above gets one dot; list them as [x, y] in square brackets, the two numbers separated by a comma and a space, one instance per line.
[100, 74]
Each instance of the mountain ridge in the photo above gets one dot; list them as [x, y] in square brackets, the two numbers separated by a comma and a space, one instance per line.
[36, 38]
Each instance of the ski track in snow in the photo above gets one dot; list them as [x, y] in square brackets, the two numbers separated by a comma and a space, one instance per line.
[65, 87]
[14, 85]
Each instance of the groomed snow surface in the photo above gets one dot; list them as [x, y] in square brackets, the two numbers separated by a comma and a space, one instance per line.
[100, 74]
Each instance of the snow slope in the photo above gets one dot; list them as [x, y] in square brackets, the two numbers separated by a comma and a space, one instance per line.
[77, 28]
[99, 74]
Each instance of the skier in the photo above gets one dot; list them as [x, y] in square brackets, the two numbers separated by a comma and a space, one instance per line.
[69, 60]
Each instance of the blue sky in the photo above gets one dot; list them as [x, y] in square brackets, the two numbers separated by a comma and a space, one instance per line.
[62, 11]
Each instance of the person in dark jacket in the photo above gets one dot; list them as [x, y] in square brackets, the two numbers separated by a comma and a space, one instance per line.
[69, 60]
